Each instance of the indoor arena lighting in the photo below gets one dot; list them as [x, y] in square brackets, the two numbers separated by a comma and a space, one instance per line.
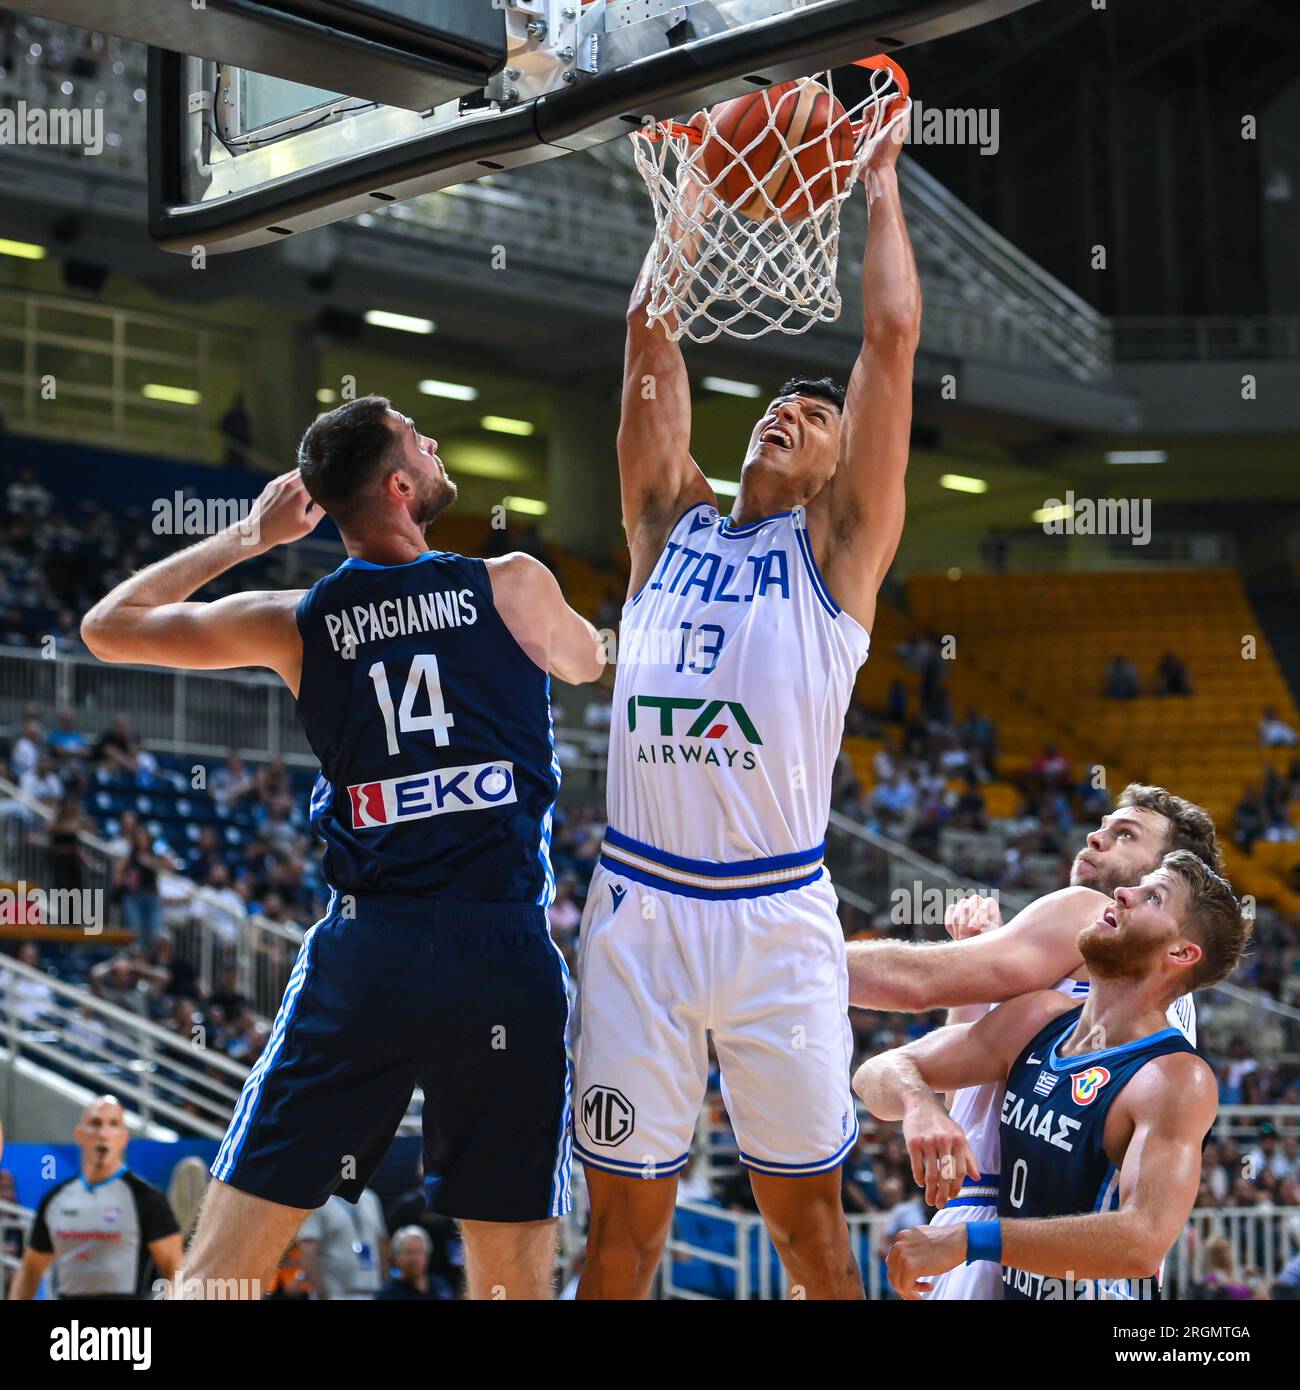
[1057, 513]
[530, 506]
[174, 395]
[723, 488]
[503, 424]
[450, 390]
[403, 323]
[24, 250]
[326, 395]
[959, 482]
[1136, 456]
[725, 386]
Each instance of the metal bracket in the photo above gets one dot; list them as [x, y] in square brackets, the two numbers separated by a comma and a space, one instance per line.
[199, 101]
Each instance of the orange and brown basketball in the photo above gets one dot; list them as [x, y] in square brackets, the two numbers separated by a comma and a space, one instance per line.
[792, 129]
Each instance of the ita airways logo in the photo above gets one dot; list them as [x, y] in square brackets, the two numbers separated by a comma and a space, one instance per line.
[678, 717]
[1084, 1085]
[607, 1116]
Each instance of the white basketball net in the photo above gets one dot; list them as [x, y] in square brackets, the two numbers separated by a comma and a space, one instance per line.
[717, 270]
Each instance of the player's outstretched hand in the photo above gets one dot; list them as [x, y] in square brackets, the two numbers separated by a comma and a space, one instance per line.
[941, 1157]
[283, 512]
[971, 916]
[922, 1251]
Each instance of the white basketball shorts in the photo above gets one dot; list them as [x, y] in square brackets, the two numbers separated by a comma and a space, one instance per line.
[981, 1280]
[765, 975]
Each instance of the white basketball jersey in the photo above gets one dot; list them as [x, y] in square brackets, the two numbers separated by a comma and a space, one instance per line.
[735, 668]
[978, 1109]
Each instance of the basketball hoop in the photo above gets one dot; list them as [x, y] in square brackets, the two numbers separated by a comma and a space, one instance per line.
[748, 250]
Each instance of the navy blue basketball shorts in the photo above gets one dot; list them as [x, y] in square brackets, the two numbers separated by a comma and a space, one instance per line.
[468, 1001]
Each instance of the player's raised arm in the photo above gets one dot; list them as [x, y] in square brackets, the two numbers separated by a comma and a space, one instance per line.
[866, 496]
[1033, 951]
[903, 1084]
[147, 618]
[659, 478]
[1168, 1109]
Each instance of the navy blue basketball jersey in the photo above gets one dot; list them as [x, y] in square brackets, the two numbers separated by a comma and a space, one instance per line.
[1052, 1126]
[433, 730]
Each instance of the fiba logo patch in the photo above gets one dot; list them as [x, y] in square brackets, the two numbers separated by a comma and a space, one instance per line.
[1084, 1085]
[607, 1116]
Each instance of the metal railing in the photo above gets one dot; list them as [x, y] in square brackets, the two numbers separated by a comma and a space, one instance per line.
[162, 1076]
[713, 1253]
[15, 1221]
[1263, 337]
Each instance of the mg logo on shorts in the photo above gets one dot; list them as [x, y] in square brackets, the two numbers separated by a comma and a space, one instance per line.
[607, 1115]
[435, 793]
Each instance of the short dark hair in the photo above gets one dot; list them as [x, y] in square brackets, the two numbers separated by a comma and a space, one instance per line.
[823, 387]
[1214, 918]
[1191, 827]
[344, 451]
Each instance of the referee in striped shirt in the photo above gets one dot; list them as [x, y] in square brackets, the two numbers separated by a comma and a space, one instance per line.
[101, 1229]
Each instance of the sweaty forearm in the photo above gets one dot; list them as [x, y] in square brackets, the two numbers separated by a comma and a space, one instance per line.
[1099, 1245]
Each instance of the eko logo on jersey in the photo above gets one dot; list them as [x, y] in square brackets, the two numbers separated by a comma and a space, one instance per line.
[1084, 1085]
[680, 718]
[434, 793]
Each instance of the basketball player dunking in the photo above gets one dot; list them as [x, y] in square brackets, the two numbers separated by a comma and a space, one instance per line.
[421, 680]
[1037, 950]
[710, 912]
[1105, 1109]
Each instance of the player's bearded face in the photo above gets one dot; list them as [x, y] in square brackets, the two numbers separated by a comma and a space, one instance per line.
[1131, 934]
[435, 492]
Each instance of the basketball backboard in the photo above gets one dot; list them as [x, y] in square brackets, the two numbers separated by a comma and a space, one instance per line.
[240, 159]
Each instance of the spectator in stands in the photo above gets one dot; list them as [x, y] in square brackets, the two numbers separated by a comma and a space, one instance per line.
[119, 981]
[411, 1280]
[42, 783]
[227, 1000]
[1221, 1277]
[531, 543]
[412, 1209]
[175, 975]
[221, 908]
[1051, 768]
[564, 913]
[1274, 731]
[1249, 819]
[896, 703]
[65, 743]
[26, 497]
[237, 434]
[980, 734]
[32, 1000]
[66, 856]
[113, 748]
[272, 782]
[1172, 677]
[135, 876]
[345, 1247]
[1122, 681]
[232, 782]
[28, 747]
